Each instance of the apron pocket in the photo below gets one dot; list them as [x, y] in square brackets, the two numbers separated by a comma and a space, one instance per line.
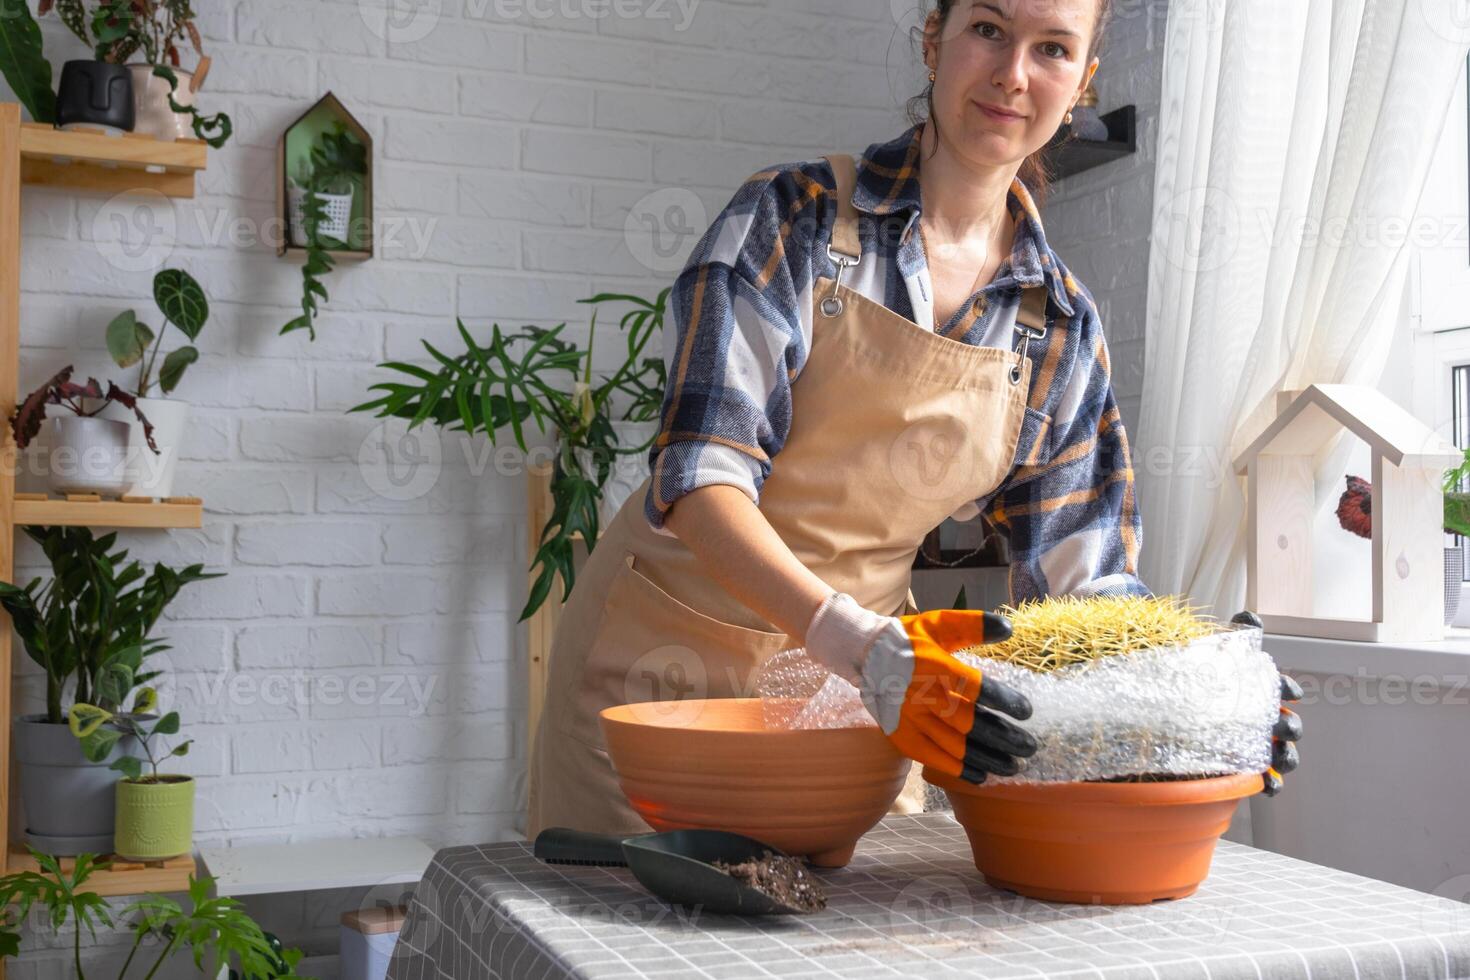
[651, 648]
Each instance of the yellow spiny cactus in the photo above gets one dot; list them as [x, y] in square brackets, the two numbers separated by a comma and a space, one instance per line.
[1057, 631]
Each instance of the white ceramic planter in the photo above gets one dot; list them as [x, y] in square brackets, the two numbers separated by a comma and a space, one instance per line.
[88, 455]
[628, 470]
[334, 225]
[151, 474]
[150, 101]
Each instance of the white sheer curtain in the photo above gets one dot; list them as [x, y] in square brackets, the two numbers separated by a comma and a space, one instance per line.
[1294, 143]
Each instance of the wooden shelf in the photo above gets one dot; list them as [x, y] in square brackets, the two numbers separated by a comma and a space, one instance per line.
[112, 164]
[94, 163]
[89, 510]
[122, 877]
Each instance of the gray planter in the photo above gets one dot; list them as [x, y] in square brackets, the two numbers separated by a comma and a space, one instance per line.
[69, 802]
[1454, 574]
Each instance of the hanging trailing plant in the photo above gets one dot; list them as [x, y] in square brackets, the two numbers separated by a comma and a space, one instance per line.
[214, 130]
[337, 157]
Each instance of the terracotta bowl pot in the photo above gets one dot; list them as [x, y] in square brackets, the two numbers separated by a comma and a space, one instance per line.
[1094, 842]
[712, 763]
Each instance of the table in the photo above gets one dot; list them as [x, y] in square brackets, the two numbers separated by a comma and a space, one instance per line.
[912, 904]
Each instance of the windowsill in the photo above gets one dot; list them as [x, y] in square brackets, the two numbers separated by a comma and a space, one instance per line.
[1319, 656]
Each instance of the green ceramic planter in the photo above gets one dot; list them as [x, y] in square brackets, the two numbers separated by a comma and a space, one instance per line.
[155, 821]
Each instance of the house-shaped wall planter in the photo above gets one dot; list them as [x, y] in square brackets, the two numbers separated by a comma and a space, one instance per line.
[293, 158]
[1409, 460]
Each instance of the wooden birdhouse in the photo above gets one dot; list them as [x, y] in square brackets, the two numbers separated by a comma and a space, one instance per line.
[1409, 460]
[327, 151]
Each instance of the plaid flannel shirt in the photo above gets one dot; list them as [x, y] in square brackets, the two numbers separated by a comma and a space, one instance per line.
[742, 313]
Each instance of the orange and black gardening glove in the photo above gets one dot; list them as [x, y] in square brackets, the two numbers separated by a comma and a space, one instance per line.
[1288, 727]
[934, 709]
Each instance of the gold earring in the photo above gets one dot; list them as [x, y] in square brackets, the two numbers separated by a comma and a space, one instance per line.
[931, 76]
[1068, 119]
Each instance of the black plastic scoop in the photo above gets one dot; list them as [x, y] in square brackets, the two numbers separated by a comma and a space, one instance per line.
[675, 865]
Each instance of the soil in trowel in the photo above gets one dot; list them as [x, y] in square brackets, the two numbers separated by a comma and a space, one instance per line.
[786, 879]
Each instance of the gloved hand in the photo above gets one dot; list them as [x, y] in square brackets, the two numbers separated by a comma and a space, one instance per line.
[932, 707]
[1288, 727]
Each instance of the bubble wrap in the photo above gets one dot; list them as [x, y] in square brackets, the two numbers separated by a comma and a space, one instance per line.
[1204, 708]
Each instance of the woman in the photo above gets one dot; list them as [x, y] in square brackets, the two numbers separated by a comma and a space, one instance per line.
[849, 369]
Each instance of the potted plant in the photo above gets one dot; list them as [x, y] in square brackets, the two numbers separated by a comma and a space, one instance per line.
[160, 93]
[1355, 515]
[94, 93]
[334, 188]
[320, 211]
[1151, 724]
[89, 454]
[89, 628]
[488, 388]
[155, 813]
[130, 341]
[216, 930]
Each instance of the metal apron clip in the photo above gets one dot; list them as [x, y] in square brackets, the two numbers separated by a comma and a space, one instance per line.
[1030, 324]
[832, 304]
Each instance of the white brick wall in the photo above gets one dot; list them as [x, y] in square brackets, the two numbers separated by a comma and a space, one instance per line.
[1099, 221]
[360, 671]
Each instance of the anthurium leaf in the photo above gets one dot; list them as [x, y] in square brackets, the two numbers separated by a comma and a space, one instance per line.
[173, 367]
[181, 300]
[84, 719]
[127, 339]
[22, 62]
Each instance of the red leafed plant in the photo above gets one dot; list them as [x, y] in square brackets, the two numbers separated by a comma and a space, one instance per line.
[1355, 507]
[117, 29]
[25, 421]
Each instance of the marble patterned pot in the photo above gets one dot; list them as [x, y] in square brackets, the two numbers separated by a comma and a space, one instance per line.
[150, 102]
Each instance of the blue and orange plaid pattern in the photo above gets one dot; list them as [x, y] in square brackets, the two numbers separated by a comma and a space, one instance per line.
[742, 313]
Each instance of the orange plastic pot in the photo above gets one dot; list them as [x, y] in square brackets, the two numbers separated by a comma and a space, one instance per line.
[712, 763]
[1096, 843]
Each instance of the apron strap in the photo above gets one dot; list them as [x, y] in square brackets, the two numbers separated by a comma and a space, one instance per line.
[1030, 324]
[845, 226]
[1033, 307]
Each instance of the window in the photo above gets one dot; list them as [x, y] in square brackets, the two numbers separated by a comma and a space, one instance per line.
[1438, 300]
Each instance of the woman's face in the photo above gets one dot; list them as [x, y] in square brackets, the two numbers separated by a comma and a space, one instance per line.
[1024, 56]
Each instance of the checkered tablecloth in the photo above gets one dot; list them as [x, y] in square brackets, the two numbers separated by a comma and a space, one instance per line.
[911, 904]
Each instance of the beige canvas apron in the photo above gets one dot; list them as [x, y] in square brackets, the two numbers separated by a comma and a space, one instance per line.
[893, 428]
